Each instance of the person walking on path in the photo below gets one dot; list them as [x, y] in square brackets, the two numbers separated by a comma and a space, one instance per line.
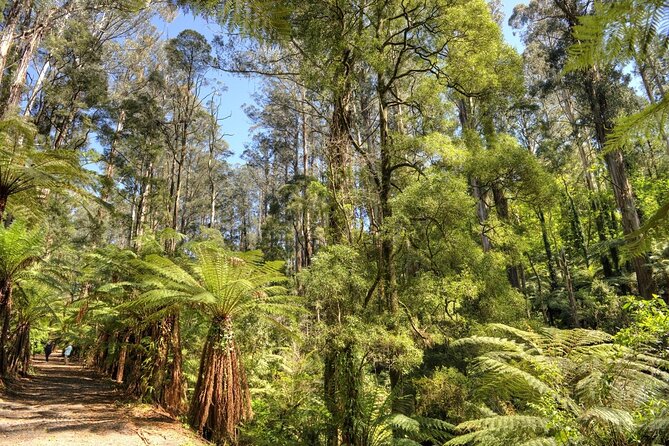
[67, 352]
[47, 350]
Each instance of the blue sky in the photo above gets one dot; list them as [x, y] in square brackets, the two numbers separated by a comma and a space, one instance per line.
[239, 90]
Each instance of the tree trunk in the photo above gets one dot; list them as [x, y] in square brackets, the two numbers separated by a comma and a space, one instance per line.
[464, 115]
[221, 400]
[3, 205]
[342, 387]
[630, 218]
[622, 188]
[569, 285]
[513, 272]
[37, 88]
[595, 205]
[168, 382]
[576, 228]
[650, 94]
[481, 213]
[175, 200]
[338, 158]
[122, 357]
[7, 36]
[18, 84]
[175, 387]
[552, 276]
[212, 204]
[5, 314]
[65, 125]
[306, 214]
[143, 204]
[388, 274]
[19, 360]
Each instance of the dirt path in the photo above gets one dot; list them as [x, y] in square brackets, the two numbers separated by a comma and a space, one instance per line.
[72, 406]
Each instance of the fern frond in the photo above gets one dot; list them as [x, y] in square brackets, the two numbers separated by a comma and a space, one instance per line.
[500, 376]
[626, 127]
[545, 441]
[526, 337]
[488, 342]
[563, 342]
[524, 423]
[405, 424]
[618, 418]
[657, 428]
[494, 430]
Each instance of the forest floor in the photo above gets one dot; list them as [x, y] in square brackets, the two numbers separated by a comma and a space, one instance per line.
[70, 405]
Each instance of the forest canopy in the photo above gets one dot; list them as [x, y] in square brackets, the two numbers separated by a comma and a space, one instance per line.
[428, 239]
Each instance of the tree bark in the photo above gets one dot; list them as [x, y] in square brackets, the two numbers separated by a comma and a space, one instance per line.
[5, 314]
[306, 213]
[18, 84]
[7, 36]
[175, 386]
[19, 360]
[513, 272]
[122, 356]
[143, 202]
[630, 218]
[569, 285]
[622, 189]
[550, 264]
[221, 400]
[388, 274]
[37, 88]
[338, 157]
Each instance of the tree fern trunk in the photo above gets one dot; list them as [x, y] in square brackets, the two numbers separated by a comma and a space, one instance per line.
[221, 400]
[5, 314]
[167, 383]
[122, 356]
[19, 359]
[3, 204]
[175, 389]
[159, 361]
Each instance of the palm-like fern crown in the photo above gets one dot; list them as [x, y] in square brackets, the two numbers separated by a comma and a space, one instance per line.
[219, 282]
[564, 384]
[37, 300]
[19, 248]
[25, 168]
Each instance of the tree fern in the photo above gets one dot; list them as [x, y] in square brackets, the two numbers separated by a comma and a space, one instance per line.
[657, 429]
[499, 430]
[222, 285]
[30, 171]
[552, 379]
[19, 249]
[542, 441]
[617, 418]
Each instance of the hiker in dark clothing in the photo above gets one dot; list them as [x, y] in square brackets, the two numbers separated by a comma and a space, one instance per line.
[47, 350]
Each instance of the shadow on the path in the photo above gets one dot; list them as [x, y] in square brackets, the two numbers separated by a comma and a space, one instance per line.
[70, 405]
[59, 398]
[55, 382]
